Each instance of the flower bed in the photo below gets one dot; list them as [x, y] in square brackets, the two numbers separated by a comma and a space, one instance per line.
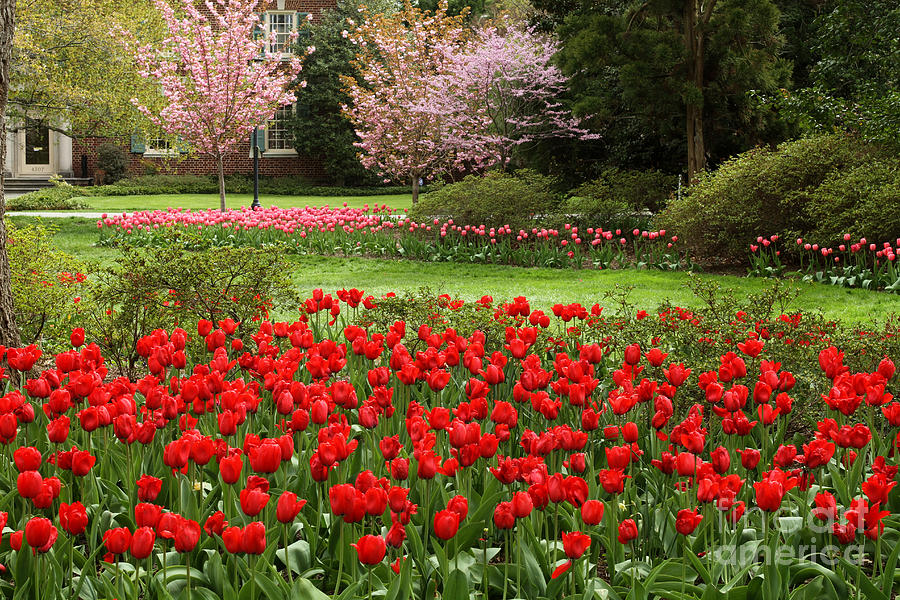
[381, 232]
[343, 455]
[859, 264]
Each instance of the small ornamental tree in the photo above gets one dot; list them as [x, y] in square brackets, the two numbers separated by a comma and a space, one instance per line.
[219, 79]
[393, 101]
[502, 91]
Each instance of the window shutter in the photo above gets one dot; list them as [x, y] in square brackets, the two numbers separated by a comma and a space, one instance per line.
[138, 146]
[182, 146]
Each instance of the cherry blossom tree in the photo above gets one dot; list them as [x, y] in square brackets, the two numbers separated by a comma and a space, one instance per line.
[400, 57]
[220, 81]
[432, 97]
[502, 91]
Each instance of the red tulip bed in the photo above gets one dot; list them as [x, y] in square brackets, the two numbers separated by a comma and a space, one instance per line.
[321, 458]
[381, 232]
[853, 263]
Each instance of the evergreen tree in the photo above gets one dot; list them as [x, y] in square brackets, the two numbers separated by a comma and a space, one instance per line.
[674, 74]
[318, 127]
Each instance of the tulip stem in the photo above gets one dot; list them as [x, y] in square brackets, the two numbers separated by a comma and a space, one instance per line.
[337, 583]
[506, 565]
[188, 564]
[287, 558]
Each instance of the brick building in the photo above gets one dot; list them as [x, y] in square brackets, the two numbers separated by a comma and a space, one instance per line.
[35, 152]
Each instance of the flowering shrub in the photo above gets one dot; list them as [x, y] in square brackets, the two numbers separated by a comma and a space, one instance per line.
[381, 233]
[168, 287]
[860, 264]
[411, 459]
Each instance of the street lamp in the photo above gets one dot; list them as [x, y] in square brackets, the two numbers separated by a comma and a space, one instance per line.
[255, 204]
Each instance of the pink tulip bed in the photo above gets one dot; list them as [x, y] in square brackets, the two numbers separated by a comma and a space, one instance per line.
[852, 263]
[384, 233]
[488, 450]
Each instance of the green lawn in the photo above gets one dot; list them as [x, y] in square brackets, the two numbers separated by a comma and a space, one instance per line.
[544, 287]
[201, 201]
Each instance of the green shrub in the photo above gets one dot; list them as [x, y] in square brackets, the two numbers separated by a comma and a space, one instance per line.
[47, 285]
[861, 201]
[169, 286]
[620, 198]
[61, 196]
[520, 200]
[113, 161]
[762, 192]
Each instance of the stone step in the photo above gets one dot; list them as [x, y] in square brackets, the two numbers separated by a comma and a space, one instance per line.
[21, 185]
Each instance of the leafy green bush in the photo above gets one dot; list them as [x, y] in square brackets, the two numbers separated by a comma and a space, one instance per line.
[234, 184]
[47, 285]
[861, 201]
[620, 198]
[111, 159]
[520, 200]
[169, 286]
[762, 192]
[59, 197]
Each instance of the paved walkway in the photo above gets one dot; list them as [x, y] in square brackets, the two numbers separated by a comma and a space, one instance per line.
[57, 214]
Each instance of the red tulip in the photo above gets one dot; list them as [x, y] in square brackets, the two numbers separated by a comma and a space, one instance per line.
[58, 429]
[28, 484]
[82, 461]
[148, 488]
[632, 354]
[575, 544]
[446, 524]
[522, 504]
[142, 542]
[253, 501]
[187, 535]
[769, 494]
[687, 521]
[73, 518]
[370, 549]
[117, 540]
[230, 468]
[27, 458]
[612, 480]
[592, 512]
[146, 514]
[39, 532]
[503, 516]
[265, 458]
[289, 507]
[627, 531]
[459, 505]
[77, 337]
[749, 458]
[233, 537]
[215, 524]
[253, 539]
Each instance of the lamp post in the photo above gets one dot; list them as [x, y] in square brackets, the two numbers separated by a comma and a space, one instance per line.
[255, 204]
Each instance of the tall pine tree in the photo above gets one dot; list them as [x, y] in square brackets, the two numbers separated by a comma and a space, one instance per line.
[677, 73]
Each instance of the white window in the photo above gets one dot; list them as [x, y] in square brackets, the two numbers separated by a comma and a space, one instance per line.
[159, 146]
[279, 26]
[278, 137]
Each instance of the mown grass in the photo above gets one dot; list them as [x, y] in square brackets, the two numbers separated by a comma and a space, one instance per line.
[543, 287]
[203, 201]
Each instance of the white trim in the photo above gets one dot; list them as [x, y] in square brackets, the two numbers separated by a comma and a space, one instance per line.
[266, 28]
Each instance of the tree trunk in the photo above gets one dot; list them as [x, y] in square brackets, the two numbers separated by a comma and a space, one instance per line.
[9, 333]
[415, 188]
[694, 44]
[220, 165]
